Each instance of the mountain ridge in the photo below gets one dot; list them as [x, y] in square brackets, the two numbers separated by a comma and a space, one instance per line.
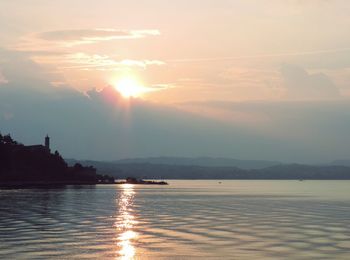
[149, 170]
[196, 161]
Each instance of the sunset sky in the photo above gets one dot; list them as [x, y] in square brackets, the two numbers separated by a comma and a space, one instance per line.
[249, 79]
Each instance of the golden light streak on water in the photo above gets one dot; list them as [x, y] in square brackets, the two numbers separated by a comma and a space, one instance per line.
[125, 223]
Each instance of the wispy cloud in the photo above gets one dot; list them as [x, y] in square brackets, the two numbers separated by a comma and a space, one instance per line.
[84, 61]
[159, 87]
[86, 36]
[61, 40]
[258, 56]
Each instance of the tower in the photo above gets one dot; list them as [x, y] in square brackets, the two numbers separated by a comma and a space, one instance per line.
[47, 143]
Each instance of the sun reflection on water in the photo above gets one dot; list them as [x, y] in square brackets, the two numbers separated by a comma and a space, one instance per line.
[125, 223]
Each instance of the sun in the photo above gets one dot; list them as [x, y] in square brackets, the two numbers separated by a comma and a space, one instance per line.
[129, 87]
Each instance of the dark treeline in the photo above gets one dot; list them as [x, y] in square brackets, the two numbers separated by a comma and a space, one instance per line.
[20, 164]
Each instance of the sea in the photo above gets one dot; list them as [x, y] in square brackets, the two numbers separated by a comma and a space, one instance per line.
[187, 219]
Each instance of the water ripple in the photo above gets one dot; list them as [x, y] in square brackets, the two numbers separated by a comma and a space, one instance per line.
[211, 222]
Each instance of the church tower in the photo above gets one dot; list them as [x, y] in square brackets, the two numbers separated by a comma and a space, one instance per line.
[47, 143]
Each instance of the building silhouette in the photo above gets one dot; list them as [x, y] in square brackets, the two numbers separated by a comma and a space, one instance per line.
[47, 143]
[40, 147]
[36, 165]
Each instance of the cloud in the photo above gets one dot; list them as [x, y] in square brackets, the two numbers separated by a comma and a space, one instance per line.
[47, 43]
[253, 83]
[102, 125]
[3, 80]
[74, 37]
[260, 56]
[305, 130]
[287, 82]
[301, 84]
[21, 72]
[100, 62]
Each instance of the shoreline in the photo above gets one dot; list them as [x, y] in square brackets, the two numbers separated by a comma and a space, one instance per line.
[43, 184]
[23, 185]
[143, 183]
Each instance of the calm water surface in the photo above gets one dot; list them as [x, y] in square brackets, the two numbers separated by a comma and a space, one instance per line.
[185, 220]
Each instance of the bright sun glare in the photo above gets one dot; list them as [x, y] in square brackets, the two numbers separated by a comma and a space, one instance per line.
[129, 87]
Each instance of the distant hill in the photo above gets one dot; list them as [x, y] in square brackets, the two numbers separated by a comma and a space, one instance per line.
[341, 162]
[203, 161]
[164, 171]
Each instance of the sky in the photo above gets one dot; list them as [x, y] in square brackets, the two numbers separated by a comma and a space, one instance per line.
[109, 79]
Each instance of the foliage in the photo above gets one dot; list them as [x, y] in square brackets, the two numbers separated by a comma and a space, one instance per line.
[19, 163]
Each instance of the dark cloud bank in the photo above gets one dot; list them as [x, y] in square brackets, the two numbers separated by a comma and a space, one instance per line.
[99, 125]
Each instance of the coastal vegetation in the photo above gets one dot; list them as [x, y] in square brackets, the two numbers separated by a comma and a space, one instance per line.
[22, 165]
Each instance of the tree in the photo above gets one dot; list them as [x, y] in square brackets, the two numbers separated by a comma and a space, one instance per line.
[78, 166]
[7, 139]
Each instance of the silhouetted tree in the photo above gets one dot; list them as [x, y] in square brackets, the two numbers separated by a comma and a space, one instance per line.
[7, 139]
[78, 166]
